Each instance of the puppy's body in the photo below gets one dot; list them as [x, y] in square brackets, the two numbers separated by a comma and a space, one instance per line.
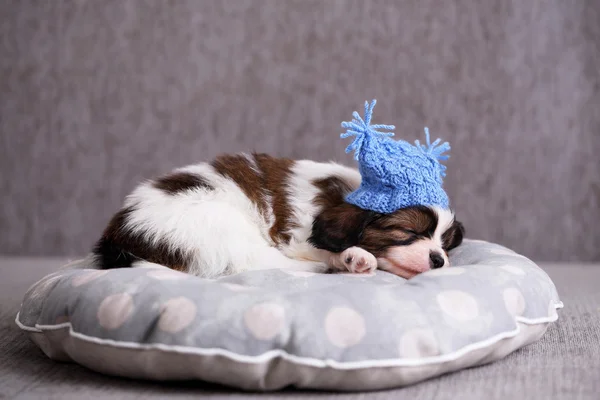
[244, 212]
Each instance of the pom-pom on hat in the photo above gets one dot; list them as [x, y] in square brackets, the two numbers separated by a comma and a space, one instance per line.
[395, 174]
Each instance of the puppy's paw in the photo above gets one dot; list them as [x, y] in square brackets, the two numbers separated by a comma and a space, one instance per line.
[357, 260]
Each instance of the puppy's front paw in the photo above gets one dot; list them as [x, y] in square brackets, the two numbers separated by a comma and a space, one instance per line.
[357, 260]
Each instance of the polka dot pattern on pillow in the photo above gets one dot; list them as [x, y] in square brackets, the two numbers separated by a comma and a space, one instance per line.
[268, 329]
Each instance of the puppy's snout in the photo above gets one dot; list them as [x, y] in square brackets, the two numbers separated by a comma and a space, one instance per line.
[436, 260]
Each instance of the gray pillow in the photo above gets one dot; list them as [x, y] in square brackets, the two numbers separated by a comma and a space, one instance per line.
[265, 330]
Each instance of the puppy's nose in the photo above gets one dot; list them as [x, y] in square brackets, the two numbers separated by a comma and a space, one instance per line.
[436, 260]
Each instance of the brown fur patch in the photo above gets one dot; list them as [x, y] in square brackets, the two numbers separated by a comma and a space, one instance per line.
[333, 190]
[179, 182]
[399, 228]
[339, 225]
[241, 170]
[118, 247]
[275, 173]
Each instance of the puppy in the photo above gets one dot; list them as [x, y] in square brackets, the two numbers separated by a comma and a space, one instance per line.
[253, 211]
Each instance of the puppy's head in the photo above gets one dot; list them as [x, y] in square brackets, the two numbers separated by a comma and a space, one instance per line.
[412, 240]
[406, 242]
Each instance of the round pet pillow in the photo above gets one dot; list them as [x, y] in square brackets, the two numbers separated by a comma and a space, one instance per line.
[265, 330]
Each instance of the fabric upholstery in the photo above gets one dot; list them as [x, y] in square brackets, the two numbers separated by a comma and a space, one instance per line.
[564, 364]
[265, 330]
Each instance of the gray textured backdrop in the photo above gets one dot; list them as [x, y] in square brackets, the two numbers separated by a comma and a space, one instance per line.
[97, 95]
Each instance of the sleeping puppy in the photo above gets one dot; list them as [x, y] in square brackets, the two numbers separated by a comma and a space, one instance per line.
[246, 212]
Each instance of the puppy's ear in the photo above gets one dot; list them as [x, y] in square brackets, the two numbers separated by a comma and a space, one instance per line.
[337, 228]
[453, 237]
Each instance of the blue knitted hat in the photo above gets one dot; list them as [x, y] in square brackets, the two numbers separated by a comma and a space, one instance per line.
[395, 174]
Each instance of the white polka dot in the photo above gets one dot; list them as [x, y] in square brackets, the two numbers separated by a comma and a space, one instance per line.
[85, 277]
[514, 301]
[512, 269]
[176, 315]
[459, 305]
[237, 287]
[265, 320]
[446, 271]
[419, 343]
[344, 327]
[114, 310]
[299, 274]
[166, 274]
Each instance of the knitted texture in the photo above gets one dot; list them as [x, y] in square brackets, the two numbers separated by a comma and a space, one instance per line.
[395, 174]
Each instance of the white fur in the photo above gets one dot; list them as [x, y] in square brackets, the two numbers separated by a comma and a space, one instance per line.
[223, 232]
[221, 229]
